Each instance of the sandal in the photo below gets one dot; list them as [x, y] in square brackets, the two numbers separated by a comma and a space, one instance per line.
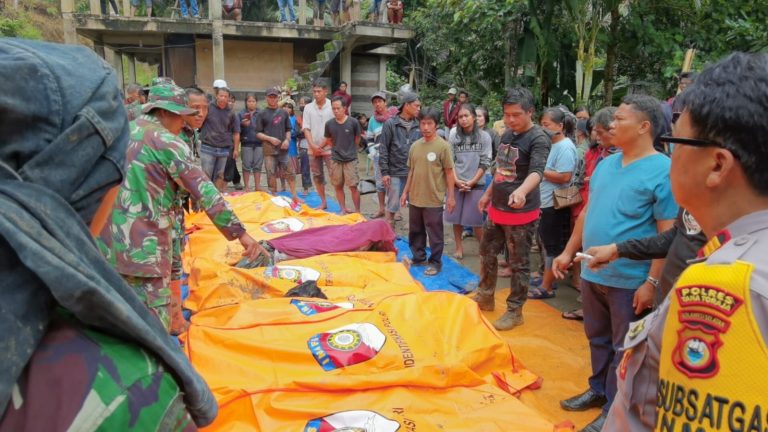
[535, 281]
[540, 294]
[458, 256]
[431, 271]
[575, 314]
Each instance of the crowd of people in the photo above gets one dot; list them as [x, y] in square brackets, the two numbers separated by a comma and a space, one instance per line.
[341, 11]
[662, 205]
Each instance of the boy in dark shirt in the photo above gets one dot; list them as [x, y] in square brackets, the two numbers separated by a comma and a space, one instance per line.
[343, 133]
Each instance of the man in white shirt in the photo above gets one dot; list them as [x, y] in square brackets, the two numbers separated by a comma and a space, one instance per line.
[316, 114]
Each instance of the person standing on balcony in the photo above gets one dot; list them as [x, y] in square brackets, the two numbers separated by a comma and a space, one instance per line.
[318, 12]
[282, 5]
[186, 9]
[232, 10]
[147, 7]
[395, 11]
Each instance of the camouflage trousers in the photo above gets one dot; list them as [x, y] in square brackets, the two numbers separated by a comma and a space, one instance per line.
[155, 293]
[517, 239]
[83, 380]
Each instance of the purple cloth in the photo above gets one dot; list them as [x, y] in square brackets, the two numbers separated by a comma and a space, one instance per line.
[371, 235]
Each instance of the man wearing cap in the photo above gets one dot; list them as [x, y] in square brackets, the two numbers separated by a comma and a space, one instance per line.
[316, 115]
[380, 115]
[451, 109]
[221, 136]
[138, 239]
[397, 135]
[273, 128]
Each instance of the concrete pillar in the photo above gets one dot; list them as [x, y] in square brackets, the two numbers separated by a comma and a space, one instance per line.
[68, 22]
[345, 61]
[214, 10]
[218, 49]
[95, 7]
[115, 58]
[303, 12]
[382, 73]
[214, 13]
[131, 68]
[126, 8]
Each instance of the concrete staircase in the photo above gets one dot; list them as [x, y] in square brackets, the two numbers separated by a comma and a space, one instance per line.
[324, 59]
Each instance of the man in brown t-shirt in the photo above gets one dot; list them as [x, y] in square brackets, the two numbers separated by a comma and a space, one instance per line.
[430, 176]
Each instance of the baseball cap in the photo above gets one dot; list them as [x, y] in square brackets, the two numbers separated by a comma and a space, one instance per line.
[168, 97]
[161, 80]
[273, 91]
[452, 90]
[220, 83]
[408, 98]
[379, 94]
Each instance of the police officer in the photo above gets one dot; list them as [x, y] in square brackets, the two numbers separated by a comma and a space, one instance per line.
[699, 361]
[160, 166]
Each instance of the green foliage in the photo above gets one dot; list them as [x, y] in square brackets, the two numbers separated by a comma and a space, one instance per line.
[19, 27]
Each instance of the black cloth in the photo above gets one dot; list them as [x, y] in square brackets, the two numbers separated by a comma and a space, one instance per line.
[519, 156]
[554, 229]
[306, 289]
[343, 137]
[677, 244]
[58, 158]
[219, 127]
[274, 122]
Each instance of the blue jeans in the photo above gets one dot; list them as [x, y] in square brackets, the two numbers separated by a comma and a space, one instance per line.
[281, 4]
[607, 314]
[192, 6]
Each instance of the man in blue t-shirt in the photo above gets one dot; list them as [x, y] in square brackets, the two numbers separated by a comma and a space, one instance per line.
[629, 197]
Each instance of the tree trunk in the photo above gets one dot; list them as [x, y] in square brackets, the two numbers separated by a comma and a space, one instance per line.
[610, 56]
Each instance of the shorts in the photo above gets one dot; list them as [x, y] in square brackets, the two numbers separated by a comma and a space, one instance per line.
[554, 229]
[253, 158]
[377, 174]
[344, 173]
[213, 166]
[136, 3]
[395, 191]
[466, 212]
[337, 5]
[279, 164]
[316, 167]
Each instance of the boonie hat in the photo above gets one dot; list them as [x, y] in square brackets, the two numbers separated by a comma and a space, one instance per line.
[170, 98]
[161, 80]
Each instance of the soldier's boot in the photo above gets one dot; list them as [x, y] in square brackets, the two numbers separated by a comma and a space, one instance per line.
[178, 324]
[484, 302]
[509, 320]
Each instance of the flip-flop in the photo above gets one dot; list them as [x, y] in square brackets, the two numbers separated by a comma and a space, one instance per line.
[535, 281]
[575, 314]
[431, 271]
[540, 294]
[458, 256]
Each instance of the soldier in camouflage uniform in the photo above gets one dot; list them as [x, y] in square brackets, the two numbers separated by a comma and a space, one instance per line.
[110, 386]
[139, 240]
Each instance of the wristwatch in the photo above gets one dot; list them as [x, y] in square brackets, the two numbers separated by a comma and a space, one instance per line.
[653, 281]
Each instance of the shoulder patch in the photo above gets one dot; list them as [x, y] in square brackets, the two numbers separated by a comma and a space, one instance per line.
[638, 330]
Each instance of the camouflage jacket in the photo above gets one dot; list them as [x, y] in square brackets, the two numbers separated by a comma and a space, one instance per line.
[138, 241]
[80, 379]
[134, 110]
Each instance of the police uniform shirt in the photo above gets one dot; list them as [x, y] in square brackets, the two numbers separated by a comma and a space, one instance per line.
[639, 391]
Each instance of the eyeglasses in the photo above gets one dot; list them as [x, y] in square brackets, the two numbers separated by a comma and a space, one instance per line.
[690, 141]
[694, 142]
